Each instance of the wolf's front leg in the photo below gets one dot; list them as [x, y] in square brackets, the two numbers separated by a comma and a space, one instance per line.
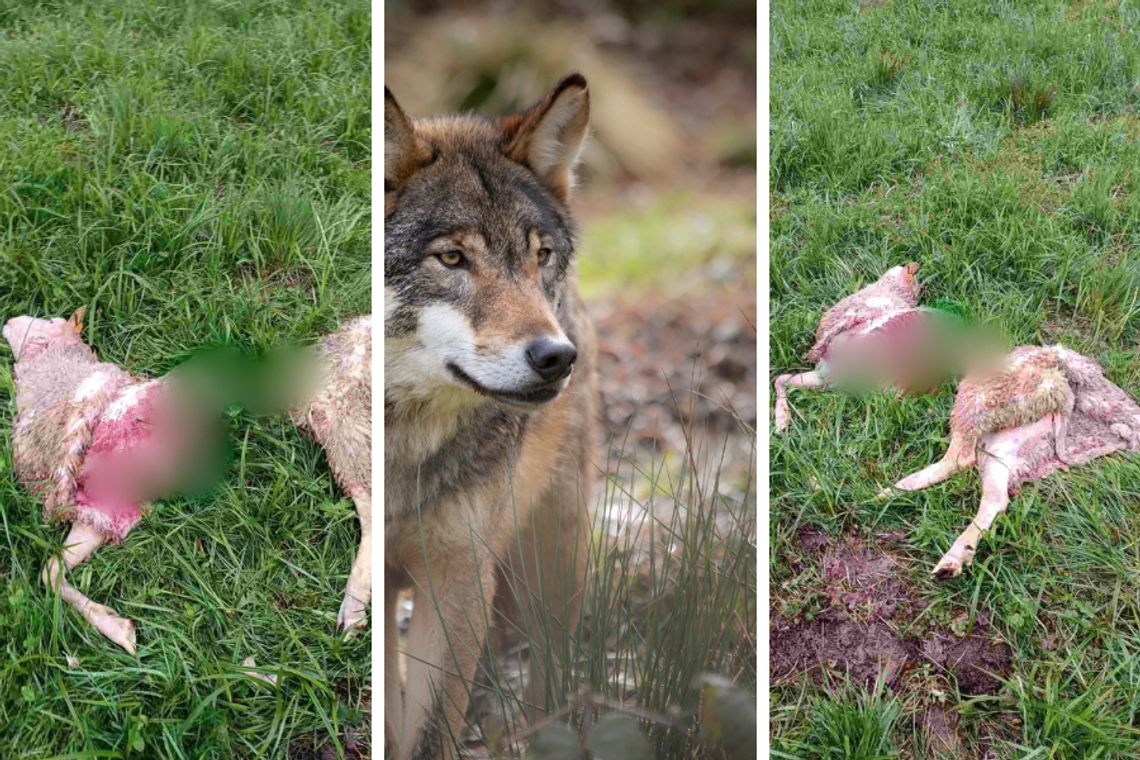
[80, 544]
[995, 498]
[783, 382]
[540, 586]
[354, 608]
[445, 640]
[393, 683]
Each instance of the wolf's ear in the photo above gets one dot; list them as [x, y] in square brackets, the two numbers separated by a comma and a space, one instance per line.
[403, 152]
[549, 136]
[76, 320]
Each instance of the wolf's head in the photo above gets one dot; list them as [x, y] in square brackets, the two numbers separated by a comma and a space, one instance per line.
[29, 336]
[478, 247]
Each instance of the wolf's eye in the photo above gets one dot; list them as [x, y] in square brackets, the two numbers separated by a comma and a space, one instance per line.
[451, 259]
[543, 256]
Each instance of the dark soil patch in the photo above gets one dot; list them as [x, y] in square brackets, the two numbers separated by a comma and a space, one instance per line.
[974, 660]
[867, 630]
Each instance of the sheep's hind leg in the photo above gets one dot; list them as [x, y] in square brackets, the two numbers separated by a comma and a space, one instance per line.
[995, 499]
[955, 459]
[783, 382]
[80, 544]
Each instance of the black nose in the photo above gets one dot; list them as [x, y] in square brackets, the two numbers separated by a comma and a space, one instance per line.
[551, 359]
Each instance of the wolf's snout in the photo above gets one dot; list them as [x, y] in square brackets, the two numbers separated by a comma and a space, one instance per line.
[551, 359]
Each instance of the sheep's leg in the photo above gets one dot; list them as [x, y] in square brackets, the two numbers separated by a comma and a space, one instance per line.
[995, 498]
[783, 382]
[954, 460]
[354, 607]
[80, 544]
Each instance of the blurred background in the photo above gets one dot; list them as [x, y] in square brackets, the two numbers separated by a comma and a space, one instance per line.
[666, 204]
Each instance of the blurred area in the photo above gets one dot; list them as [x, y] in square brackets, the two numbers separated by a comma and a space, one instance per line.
[666, 198]
[187, 450]
[672, 85]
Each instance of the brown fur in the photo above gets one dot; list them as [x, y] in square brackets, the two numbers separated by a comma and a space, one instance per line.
[1030, 387]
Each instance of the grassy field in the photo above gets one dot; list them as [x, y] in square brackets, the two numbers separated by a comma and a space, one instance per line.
[996, 144]
[195, 174]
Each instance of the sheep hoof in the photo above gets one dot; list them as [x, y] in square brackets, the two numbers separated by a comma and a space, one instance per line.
[947, 568]
[353, 615]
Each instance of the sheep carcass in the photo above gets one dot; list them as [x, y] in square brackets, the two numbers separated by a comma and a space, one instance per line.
[1042, 410]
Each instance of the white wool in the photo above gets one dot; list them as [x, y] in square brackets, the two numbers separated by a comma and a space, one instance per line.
[91, 385]
[127, 400]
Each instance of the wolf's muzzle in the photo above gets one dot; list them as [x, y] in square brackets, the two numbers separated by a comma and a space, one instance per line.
[551, 360]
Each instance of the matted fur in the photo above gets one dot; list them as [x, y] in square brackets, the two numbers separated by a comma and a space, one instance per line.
[62, 392]
[85, 430]
[896, 291]
[339, 412]
[878, 336]
[1099, 417]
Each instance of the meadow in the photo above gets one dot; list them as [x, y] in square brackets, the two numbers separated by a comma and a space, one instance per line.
[996, 144]
[195, 175]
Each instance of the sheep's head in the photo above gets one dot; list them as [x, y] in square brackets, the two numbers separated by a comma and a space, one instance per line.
[904, 279]
[29, 336]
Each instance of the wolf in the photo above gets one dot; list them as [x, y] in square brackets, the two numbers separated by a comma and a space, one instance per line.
[1038, 410]
[99, 444]
[490, 401]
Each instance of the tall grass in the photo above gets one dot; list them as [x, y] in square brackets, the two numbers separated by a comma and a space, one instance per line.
[670, 602]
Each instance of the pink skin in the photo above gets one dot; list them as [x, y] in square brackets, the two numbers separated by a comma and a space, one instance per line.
[126, 456]
[137, 449]
[28, 334]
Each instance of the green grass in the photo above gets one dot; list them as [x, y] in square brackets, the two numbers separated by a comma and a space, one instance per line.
[195, 174]
[997, 145]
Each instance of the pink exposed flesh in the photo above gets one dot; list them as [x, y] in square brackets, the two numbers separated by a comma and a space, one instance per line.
[113, 482]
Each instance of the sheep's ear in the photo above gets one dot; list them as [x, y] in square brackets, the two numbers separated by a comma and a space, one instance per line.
[76, 320]
[549, 136]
